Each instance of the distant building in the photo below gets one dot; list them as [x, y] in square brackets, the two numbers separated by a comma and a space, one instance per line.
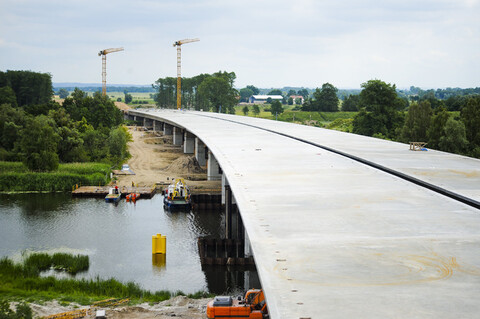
[261, 99]
[294, 97]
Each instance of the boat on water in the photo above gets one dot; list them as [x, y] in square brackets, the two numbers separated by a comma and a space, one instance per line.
[177, 195]
[132, 197]
[113, 195]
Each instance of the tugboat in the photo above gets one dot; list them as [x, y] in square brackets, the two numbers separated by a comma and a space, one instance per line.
[177, 195]
[113, 195]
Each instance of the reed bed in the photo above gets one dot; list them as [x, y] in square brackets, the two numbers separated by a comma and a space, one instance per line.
[15, 177]
[24, 280]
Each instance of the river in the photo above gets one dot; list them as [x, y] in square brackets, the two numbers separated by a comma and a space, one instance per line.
[118, 240]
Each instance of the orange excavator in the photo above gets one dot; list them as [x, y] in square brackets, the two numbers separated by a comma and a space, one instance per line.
[252, 306]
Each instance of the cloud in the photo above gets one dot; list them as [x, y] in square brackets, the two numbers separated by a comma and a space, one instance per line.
[266, 43]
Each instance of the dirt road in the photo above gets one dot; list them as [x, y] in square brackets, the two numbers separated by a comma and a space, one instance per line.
[179, 306]
[155, 160]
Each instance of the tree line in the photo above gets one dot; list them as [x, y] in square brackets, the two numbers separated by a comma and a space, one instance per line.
[447, 119]
[42, 133]
[205, 91]
[386, 114]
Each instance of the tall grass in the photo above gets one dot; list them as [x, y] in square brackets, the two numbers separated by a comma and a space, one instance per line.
[15, 177]
[60, 261]
[24, 280]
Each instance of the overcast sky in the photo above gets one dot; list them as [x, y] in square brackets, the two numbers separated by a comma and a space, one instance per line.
[426, 43]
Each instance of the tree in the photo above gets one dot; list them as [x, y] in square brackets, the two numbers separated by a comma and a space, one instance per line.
[304, 93]
[7, 96]
[117, 144]
[453, 139]
[437, 127]
[128, 97]
[291, 92]
[39, 144]
[245, 94]
[290, 101]
[218, 93]
[350, 104]
[29, 87]
[62, 93]
[245, 110]
[275, 92]
[276, 107]
[298, 101]
[417, 122]
[470, 115]
[255, 110]
[380, 115]
[254, 89]
[12, 121]
[98, 110]
[327, 99]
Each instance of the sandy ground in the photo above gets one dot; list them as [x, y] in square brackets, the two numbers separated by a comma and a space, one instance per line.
[155, 160]
[179, 306]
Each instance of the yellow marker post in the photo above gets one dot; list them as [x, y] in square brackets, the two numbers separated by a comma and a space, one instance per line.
[159, 244]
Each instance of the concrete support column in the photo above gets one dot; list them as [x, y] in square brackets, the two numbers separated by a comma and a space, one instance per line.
[188, 143]
[200, 152]
[228, 213]
[240, 228]
[144, 122]
[134, 117]
[248, 248]
[224, 184]
[177, 136]
[213, 168]
[167, 129]
[154, 126]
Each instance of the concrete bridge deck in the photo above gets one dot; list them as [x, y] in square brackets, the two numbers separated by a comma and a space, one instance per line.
[335, 238]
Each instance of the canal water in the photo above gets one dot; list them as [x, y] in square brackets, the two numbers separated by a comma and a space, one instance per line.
[118, 240]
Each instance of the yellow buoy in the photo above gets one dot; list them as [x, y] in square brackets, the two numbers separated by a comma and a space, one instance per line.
[159, 244]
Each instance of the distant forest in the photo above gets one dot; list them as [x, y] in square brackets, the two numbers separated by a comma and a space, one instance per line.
[130, 89]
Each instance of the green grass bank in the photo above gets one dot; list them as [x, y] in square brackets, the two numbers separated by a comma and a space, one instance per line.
[15, 177]
[22, 281]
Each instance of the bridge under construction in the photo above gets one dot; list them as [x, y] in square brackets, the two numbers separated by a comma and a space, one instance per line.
[342, 225]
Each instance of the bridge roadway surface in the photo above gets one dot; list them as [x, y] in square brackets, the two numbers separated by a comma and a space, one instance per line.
[336, 238]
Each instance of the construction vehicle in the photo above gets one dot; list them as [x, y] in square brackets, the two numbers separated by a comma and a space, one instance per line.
[252, 306]
[178, 44]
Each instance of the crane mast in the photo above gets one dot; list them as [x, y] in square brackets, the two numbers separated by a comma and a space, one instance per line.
[178, 44]
[104, 53]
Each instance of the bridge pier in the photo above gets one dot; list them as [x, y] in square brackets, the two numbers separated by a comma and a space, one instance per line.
[167, 129]
[213, 169]
[148, 123]
[177, 136]
[188, 143]
[200, 153]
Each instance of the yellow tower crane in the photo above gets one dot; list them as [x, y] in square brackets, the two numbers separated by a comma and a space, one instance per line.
[104, 53]
[178, 44]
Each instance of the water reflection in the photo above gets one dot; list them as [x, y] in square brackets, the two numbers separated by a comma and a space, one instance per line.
[159, 261]
[117, 239]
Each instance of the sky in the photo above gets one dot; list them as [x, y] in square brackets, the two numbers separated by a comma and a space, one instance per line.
[267, 43]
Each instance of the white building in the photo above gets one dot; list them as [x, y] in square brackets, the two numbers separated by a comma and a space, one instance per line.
[261, 99]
